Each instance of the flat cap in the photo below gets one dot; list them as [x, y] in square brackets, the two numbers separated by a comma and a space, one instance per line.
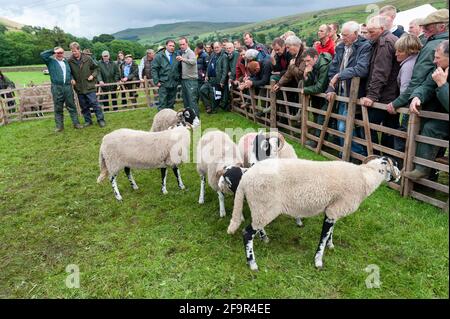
[128, 56]
[439, 16]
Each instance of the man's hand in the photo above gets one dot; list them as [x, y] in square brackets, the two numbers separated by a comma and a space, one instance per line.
[90, 78]
[391, 109]
[73, 82]
[330, 96]
[333, 81]
[440, 76]
[180, 58]
[101, 83]
[415, 105]
[292, 62]
[317, 43]
[159, 84]
[125, 79]
[142, 80]
[275, 88]
[365, 101]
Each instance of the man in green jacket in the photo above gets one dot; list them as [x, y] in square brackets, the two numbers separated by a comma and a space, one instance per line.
[434, 95]
[216, 78]
[108, 73]
[315, 82]
[166, 75]
[62, 92]
[84, 72]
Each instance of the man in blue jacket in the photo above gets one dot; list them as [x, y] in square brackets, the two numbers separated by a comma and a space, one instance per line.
[62, 91]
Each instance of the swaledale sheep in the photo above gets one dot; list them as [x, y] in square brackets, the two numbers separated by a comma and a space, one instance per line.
[301, 188]
[256, 147]
[216, 151]
[127, 149]
[167, 118]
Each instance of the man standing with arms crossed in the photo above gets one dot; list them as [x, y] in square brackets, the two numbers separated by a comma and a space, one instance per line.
[189, 76]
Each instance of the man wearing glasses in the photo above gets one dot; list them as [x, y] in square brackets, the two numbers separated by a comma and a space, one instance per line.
[62, 92]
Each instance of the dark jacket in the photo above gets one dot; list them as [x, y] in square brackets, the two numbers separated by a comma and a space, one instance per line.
[382, 85]
[232, 62]
[433, 98]
[263, 51]
[81, 71]
[358, 64]
[202, 65]
[424, 65]
[294, 73]
[263, 77]
[6, 83]
[55, 71]
[162, 71]
[221, 68]
[134, 72]
[108, 72]
[282, 62]
[317, 81]
[399, 32]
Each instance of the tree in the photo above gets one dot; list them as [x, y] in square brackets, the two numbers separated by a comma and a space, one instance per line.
[3, 29]
[103, 38]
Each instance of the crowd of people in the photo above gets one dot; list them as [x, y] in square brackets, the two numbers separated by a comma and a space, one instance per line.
[397, 67]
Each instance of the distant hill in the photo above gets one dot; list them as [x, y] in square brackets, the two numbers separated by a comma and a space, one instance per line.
[161, 32]
[11, 25]
[306, 24]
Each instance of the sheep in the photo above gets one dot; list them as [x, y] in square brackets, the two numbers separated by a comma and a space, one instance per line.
[255, 147]
[215, 153]
[302, 188]
[167, 118]
[127, 149]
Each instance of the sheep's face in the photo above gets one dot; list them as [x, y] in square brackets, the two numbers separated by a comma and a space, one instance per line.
[189, 116]
[229, 181]
[391, 171]
[264, 147]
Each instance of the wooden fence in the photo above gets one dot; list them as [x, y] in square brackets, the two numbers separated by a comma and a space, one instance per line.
[294, 114]
[25, 104]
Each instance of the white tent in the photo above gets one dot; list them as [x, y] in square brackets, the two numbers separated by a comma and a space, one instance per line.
[403, 18]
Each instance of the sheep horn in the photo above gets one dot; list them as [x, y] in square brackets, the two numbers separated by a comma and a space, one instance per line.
[369, 158]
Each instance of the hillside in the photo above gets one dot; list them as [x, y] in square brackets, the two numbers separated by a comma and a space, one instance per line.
[307, 24]
[10, 25]
[161, 32]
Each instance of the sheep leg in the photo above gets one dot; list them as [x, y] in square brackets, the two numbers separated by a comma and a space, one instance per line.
[263, 236]
[201, 199]
[177, 173]
[249, 234]
[163, 180]
[330, 244]
[222, 212]
[299, 222]
[327, 230]
[130, 178]
[113, 180]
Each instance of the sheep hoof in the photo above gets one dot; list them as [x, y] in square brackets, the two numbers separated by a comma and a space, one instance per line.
[182, 187]
[135, 187]
[265, 240]
[164, 191]
[119, 198]
[299, 222]
[319, 264]
[330, 246]
[253, 266]
[222, 214]
[201, 201]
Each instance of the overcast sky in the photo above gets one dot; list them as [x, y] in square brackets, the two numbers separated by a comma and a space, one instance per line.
[88, 17]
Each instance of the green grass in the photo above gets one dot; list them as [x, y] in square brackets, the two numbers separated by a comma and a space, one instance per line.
[53, 213]
[24, 78]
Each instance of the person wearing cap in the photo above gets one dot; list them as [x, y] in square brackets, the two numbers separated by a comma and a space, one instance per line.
[435, 27]
[108, 73]
[145, 67]
[434, 95]
[189, 76]
[166, 75]
[129, 72]
[84, 71]
[62, 92]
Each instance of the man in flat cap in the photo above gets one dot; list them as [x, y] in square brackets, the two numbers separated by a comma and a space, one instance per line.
[108, 73]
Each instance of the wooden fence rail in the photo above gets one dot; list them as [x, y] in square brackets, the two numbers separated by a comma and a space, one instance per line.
[293, 113]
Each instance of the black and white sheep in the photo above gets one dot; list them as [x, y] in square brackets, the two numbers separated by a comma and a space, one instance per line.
[301, 188]
[127, 149]
[216, 152]
[168, 118]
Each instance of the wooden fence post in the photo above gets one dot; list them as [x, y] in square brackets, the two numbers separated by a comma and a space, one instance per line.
[273, 106]
[147, 92]
[3, 113]
[253, 102]
[304, 121]
[77, 102]
[365, 116]
[350, 122]
[410, 151]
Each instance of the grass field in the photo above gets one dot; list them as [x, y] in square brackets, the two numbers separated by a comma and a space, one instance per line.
[53, 214]
[24, 78]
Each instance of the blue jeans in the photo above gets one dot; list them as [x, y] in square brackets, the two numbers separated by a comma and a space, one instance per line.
[357, 148]
[88, 101]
